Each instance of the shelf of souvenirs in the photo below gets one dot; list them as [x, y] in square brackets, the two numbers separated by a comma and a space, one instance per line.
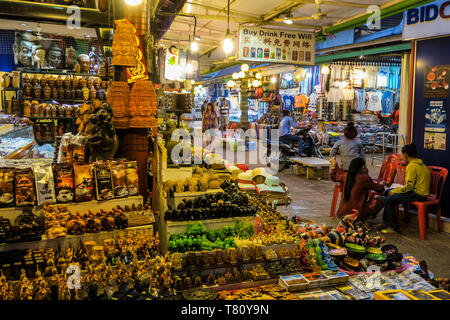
[61, 72]
[60, 101]
[73, 240]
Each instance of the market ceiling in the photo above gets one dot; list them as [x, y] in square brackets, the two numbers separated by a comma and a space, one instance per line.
[212, 20]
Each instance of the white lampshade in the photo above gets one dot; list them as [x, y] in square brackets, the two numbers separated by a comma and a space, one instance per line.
[194, 46]
[228, 45]
[235, 76]
[244, 67]
[242, 74]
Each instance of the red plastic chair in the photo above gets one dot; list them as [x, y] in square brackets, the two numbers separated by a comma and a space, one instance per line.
[385, 166]
[338, 190]
[438, 177]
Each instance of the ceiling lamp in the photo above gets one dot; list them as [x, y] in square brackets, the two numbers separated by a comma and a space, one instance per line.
[255, 83]
[133, 2]
[287, 21]
[273, 80]
[228, 41]
[258, 76]
[235, 76]
[242, 74]
[325, 70]
[245, 67]
[194, 46]
[230, 84]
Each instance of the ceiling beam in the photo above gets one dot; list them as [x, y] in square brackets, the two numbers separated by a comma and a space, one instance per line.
[221, 10]
[281, 8]
[232, 12]
[214, 17]
[291, 26]
[341, 4]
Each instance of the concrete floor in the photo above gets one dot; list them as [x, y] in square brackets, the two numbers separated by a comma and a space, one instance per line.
[312, 200]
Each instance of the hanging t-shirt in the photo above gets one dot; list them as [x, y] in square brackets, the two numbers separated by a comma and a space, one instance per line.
[300, 101]
[374, 103]
[334, 95]
[355, 78]
[347, 94]
[371, 80]
[382, 77]
[360, 97]
[288, 102]
[387, 103]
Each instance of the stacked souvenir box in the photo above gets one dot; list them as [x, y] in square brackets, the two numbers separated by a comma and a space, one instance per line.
[335, 277]
[293, 283]
[316, 279]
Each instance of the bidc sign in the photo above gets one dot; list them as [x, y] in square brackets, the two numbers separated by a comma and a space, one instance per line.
[426, 21]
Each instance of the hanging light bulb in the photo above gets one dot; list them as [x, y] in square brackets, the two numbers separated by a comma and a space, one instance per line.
[273, 80]
[193, 81]
[235, 76]
[245, 67]
[189, 68]
[230, 84]
[228, 44]
[287, 21]
[194, 46]
[255, 83]
[133, 2]
[242, 74]
[258, 76]
[325, 70]
[228, 41]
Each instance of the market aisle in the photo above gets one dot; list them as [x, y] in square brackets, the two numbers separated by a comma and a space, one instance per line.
[312, 199]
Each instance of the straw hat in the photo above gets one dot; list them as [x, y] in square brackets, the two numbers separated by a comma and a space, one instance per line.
[259, 175]
[272, 184]
[245, 181]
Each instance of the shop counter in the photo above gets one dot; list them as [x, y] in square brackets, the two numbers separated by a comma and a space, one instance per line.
[312, 167]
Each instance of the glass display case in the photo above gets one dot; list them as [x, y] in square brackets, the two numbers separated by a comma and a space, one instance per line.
[16, 143]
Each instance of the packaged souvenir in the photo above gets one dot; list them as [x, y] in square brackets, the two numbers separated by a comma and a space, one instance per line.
[45, 185]
[440, 294]
[78, 147]
[355, 293]
[6, 187]
[65, 149]
[64, 182]
[84, 184]
[103, 181]
[119, 179]
[24, 186]
[421, 295]
[132, 178]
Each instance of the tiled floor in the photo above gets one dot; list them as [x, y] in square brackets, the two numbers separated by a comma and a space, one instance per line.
[312, 200]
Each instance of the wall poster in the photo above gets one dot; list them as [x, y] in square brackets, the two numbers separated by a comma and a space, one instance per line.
[436, 116]
[435, 141]
[437, 79]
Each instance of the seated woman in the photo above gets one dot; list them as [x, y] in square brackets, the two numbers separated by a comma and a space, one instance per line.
[356, 191]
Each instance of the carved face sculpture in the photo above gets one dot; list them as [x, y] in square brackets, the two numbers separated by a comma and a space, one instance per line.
[39, 56]
[71, 57]
[55, 56]
[23, 49]
[84, 61]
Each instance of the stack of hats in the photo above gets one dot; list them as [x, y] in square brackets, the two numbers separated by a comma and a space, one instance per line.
[235, 171]
[270, 185]
[245, 182]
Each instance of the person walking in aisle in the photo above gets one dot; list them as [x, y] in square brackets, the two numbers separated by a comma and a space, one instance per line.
[349, 148]
[417, 188]
[285, 133]
[224, 114]
[358, 184]
[395, 115]
[209, 122]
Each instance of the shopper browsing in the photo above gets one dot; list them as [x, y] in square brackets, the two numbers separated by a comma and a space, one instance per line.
[417, 187]
[209, 119]
[349, 148]
[224, 114]
[395, 115]
[286, 137]
[358, 184]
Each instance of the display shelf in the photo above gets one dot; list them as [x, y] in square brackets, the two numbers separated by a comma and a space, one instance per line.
[19, 154]
[58, 72]
[59, 101]
[51, 118]
[72, 240]
[167, 228]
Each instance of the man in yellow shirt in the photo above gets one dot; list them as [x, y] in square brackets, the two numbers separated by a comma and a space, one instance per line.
[416, 188]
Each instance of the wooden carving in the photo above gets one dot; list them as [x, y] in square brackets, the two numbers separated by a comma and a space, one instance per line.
[118, 98]
[124, 46]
